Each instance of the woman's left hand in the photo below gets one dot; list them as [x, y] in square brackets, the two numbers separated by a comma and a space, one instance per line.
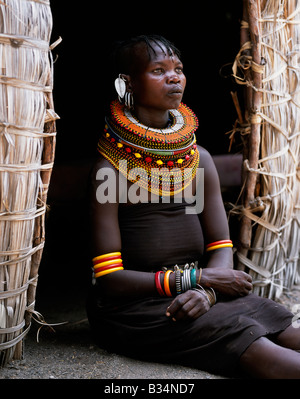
[188, 306]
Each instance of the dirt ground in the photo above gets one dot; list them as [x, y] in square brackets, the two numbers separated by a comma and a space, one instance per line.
[67, 351]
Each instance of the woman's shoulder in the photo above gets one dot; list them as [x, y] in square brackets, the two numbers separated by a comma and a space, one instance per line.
[101, 163]
[205, 159]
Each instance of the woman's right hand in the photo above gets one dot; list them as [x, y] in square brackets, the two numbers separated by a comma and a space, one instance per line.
[227, 281]
[188, 306]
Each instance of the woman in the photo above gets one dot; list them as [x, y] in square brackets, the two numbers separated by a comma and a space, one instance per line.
[164, 284]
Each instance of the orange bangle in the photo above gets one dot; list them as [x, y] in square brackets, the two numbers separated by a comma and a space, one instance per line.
[96, 262]
[102, 257]
[218, 242]
[219, 246]
[108, 263]
[101, 269]
[167, 283]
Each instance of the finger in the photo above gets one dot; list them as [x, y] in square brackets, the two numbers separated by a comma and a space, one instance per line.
[196, 305]
[182, 307]
[183, 312]
[198, 311]
[248, 286]
[176, 304]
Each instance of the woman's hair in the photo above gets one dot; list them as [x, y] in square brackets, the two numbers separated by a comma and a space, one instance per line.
[125, 52]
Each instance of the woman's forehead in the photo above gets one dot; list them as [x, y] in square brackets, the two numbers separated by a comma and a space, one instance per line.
[146, 55]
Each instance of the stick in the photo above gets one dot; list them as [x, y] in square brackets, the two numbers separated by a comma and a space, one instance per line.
[253, 10]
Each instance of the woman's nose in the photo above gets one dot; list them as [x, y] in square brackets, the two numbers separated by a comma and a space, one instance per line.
[173, 78]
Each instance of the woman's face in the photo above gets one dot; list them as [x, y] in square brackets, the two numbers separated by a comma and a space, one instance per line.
[160, 82]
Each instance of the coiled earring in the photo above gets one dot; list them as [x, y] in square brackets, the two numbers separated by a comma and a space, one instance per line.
[128, 100]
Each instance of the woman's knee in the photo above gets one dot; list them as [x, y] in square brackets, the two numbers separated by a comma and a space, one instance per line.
[289, 338]
[265, 359]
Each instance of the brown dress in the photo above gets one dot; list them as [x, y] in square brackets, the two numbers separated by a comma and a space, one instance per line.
[157, 235]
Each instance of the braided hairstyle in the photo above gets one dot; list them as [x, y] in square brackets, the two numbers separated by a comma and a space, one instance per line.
[125, 52]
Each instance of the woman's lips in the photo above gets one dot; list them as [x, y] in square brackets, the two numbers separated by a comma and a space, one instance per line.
[175, 92]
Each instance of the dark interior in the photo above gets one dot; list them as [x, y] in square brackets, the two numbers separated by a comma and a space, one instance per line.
[207, 33]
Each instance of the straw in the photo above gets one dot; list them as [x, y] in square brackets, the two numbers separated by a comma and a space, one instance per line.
[270, 210]
[26, 103]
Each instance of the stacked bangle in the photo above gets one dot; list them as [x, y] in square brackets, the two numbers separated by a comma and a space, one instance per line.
[107, 263]
[186, 283]
[167, 283]
[163, 288]
[178, 273]
[193, 278]
[219, 244]
[184, 280]
[209, 294]
[158, 285]
[200, 275]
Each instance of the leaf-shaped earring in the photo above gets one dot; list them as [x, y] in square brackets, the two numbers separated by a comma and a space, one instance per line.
[120, 87]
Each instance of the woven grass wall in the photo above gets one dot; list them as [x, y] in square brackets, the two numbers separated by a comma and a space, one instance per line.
[27, 144]
[268, 65]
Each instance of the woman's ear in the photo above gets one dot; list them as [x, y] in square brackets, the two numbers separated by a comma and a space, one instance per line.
[127, 79]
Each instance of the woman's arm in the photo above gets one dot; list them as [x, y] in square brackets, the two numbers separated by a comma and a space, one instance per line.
[219, 273]
[106, 238]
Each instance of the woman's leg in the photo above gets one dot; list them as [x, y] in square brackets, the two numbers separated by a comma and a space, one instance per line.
[265, 359]
[289, 338]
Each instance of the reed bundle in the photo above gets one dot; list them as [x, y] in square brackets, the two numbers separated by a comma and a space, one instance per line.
[27, 144]
[268, 65]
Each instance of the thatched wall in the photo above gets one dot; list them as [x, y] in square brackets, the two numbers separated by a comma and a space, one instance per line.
[27, 142]
[268, 65]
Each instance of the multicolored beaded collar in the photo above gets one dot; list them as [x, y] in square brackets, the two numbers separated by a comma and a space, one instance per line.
[169, 157]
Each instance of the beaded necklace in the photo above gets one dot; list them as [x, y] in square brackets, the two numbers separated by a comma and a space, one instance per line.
[168, 157]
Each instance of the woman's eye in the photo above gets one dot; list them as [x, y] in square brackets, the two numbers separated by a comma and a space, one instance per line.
[158, 71]
[179, 70]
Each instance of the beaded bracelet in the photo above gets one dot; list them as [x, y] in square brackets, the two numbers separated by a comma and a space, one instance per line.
[178, 273]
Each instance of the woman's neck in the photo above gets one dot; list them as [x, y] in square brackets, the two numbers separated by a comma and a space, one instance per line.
[154, 118]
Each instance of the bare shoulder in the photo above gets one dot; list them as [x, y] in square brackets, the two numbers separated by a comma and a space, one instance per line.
[206, 159]
[101, 164]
